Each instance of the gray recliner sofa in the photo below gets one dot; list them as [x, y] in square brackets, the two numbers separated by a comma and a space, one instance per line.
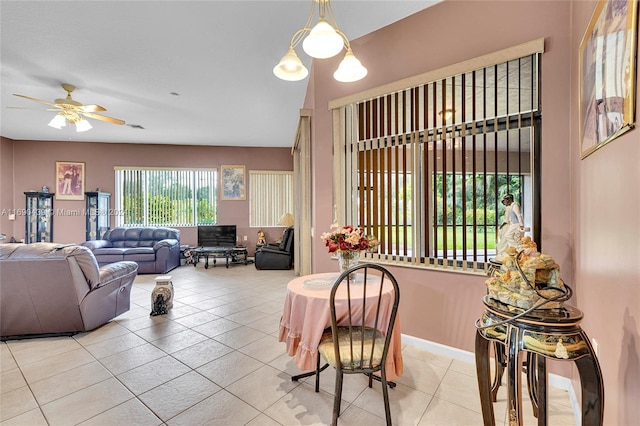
[155, 250]
[49, 288]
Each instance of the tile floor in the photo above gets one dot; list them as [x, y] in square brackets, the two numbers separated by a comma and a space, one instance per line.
[215, 359]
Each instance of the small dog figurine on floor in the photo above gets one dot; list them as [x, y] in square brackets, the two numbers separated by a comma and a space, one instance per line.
[190, 257]
[159, 306]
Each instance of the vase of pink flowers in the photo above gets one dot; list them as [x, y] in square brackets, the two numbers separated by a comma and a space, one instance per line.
[347, 242]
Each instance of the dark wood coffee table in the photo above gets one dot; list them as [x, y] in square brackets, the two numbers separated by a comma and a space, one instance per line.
[213, 252]
[230, 254]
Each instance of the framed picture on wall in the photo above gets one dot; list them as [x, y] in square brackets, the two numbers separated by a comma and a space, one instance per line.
[233, 183]
[607, 74]
[69, 180]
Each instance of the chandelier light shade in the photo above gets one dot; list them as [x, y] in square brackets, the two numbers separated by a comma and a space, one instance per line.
[323, 40]
[350, 69]
[290, 67]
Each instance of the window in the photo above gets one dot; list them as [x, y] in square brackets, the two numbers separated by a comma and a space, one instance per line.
[270, 197]
[425, 168]
[165, 197]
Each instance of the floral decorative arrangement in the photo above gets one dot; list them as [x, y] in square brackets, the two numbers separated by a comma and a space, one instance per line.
[348, 239]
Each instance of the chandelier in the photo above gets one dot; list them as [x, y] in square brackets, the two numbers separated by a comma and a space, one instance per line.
[324, 40]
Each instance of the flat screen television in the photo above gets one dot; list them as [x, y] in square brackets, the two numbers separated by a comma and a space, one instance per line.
[217, 236]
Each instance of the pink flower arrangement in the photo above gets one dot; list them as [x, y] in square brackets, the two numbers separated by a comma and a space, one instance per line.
[348, 238]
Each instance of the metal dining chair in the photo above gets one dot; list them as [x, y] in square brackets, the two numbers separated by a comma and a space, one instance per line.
[358, 343]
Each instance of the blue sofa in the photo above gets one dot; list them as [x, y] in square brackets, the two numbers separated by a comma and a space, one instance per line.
[155, 250]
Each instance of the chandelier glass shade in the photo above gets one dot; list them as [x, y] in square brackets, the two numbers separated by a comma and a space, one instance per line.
[324, 40]
[350, 69]
[290, 67]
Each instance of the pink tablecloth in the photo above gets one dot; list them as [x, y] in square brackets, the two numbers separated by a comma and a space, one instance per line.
[306, 315]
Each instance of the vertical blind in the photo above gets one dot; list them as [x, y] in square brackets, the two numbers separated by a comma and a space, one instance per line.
[270, 196]
[425, 167]
[165, 197]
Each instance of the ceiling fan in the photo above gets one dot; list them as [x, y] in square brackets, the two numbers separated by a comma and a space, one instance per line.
[73, 111]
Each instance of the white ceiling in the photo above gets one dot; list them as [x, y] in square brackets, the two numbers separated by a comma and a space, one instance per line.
[128, 56]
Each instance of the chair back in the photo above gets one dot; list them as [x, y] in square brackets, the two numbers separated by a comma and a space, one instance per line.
[287, 240]
[363, 313]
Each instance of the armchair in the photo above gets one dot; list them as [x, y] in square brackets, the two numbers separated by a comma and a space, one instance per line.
[272, 256]
[52, 288]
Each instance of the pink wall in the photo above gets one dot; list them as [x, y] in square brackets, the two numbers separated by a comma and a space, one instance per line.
[441, 306]
[605, 199]
[34, 164]
[6, 186]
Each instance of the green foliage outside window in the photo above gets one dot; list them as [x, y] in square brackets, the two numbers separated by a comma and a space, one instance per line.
[133, 210]
[166, 197]
[161, 210]
[206, 212]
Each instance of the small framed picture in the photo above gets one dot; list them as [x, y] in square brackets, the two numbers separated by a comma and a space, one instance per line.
[233, 183]
[69, 180]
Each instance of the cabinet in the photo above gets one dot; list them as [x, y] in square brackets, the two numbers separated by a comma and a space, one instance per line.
[98, 218]
[39, 217]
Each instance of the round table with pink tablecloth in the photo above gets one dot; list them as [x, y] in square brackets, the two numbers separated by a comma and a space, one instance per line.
[306, 315]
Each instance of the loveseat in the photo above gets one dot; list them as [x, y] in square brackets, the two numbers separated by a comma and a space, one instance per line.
[49, 288]
[155, 250]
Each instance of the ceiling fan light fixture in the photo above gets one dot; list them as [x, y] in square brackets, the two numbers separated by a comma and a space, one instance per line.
[290, 67]
[323, 41]
[350, 69]
[73, 111]
[58, 122]
[83, 125]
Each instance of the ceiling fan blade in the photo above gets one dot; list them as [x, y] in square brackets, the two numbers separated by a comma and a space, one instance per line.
[36, 100]
[91, 108]
[35, 109]
[103, 118]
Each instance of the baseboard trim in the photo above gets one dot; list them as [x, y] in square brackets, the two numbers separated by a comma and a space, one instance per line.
[555, 380]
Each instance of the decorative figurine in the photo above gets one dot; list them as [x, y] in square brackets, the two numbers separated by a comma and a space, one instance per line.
[261, 239]
[512, 227]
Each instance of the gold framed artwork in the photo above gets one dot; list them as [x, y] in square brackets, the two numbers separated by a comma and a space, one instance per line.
[69, 180]
[233, 182]
[607, 74]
